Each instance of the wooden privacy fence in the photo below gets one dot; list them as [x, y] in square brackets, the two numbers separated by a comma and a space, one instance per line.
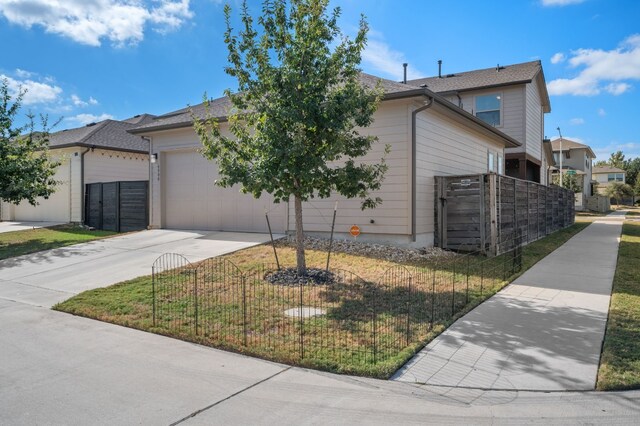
[492, 213]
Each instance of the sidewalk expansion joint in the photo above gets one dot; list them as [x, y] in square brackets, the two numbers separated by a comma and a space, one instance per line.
[195, 413]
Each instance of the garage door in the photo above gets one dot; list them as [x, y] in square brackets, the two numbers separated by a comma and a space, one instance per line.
[54, 209]
[192, 201]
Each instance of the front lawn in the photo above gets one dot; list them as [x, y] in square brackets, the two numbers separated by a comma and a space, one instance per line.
[620, 362]
[369, 323]
[17, 243]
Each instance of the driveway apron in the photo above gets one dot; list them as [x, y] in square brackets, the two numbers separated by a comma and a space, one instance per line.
[543, 332]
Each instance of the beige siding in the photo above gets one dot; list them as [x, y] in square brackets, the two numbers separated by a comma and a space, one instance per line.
[201, 205]
[110, 166]
[513, 104]
[392, 126]
[534, 121]
[444, 147]
[58, 207]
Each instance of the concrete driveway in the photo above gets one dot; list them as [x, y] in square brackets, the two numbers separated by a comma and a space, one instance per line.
[8, 226]
[49, 277]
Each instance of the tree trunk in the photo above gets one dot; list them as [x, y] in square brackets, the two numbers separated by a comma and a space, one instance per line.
[300, 261]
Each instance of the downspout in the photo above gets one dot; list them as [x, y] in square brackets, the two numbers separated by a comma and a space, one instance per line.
[413, 164]
[149, 200]
[82, 191]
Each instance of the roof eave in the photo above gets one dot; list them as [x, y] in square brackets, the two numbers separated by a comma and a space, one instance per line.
[108, 148]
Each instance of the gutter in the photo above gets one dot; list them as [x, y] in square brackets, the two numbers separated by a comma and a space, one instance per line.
[82, 190]
[413, 164]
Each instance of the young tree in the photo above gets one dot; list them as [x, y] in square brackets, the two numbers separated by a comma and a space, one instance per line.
[25, 167]
[570, 182]
[298, 104]
[619, 190]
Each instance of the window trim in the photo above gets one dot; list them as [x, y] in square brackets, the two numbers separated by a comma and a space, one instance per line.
[500, 110]
[491, 161]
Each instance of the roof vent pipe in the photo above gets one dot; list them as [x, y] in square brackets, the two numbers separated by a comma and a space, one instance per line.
[404, 80]
[439, 68]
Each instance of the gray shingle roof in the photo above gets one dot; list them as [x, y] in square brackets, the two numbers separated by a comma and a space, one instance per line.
[607, 169]
[568, 144]
[477, 79]
[220, 107]
[107, 134]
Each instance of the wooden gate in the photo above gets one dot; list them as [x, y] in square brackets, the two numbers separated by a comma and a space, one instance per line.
[117, 206]
[493, 214]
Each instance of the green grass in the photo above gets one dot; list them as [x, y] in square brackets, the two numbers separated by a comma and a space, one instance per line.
[620, 361]
[346, 325]
[17, 243]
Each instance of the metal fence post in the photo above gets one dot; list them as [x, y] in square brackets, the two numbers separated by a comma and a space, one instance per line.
[301, 323]
[433, 295]
[244, 308]
[153, 292]
[195, 298]
[409, 313]
[375, 323]
[453, 288]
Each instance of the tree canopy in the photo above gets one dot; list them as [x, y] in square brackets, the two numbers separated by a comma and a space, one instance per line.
[296, 110]
[619, 190]
[26, 169]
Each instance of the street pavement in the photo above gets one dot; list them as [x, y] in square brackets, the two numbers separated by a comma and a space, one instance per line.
[58, 369]
[543, 332]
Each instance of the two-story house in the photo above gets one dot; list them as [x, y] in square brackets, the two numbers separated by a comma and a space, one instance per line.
[606, 175]
[513, 99]
[575, 158]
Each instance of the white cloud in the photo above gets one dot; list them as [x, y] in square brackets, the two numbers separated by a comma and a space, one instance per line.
[381, 57]
[77, 101]
[602, 112]
[603, 70]
[35, 92]
[89, 22]
[558, 57]
[560, 2]
[23, 74]
[576, 121]
[84, 119]
[80, 103]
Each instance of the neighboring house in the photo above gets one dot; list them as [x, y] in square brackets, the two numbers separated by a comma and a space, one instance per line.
[428, 135]
[513, 99]
[97, 152]
[575, 158]
[607, 174]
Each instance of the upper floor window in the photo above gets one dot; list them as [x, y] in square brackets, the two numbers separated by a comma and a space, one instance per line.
[616, 177]
[488, 108]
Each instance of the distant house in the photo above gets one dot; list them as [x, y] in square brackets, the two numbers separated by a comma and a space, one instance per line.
[575, 158]
[97, 152]
[428, 136]
[513, 99]
[606, 175]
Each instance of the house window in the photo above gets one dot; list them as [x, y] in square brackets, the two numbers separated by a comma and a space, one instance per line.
[616, 177]
[567, 154]
[490, 162]
[500, 164]
[586, 163]
[488, 108]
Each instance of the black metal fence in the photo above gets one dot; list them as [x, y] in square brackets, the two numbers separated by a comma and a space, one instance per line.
[350, 322]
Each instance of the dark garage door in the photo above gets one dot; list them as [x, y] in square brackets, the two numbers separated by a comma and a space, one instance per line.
[117, 206]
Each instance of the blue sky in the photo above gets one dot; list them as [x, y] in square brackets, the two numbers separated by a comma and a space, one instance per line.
[94, 59]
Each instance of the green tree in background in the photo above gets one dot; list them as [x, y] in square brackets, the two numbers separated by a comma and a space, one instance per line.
[296, 110]
[26, 171]
[619, 190]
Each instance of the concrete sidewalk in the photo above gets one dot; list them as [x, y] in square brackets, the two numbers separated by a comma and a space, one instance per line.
[542, 332]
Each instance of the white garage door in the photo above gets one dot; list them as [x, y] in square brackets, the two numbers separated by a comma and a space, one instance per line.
[54, 209]
[192, 201]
